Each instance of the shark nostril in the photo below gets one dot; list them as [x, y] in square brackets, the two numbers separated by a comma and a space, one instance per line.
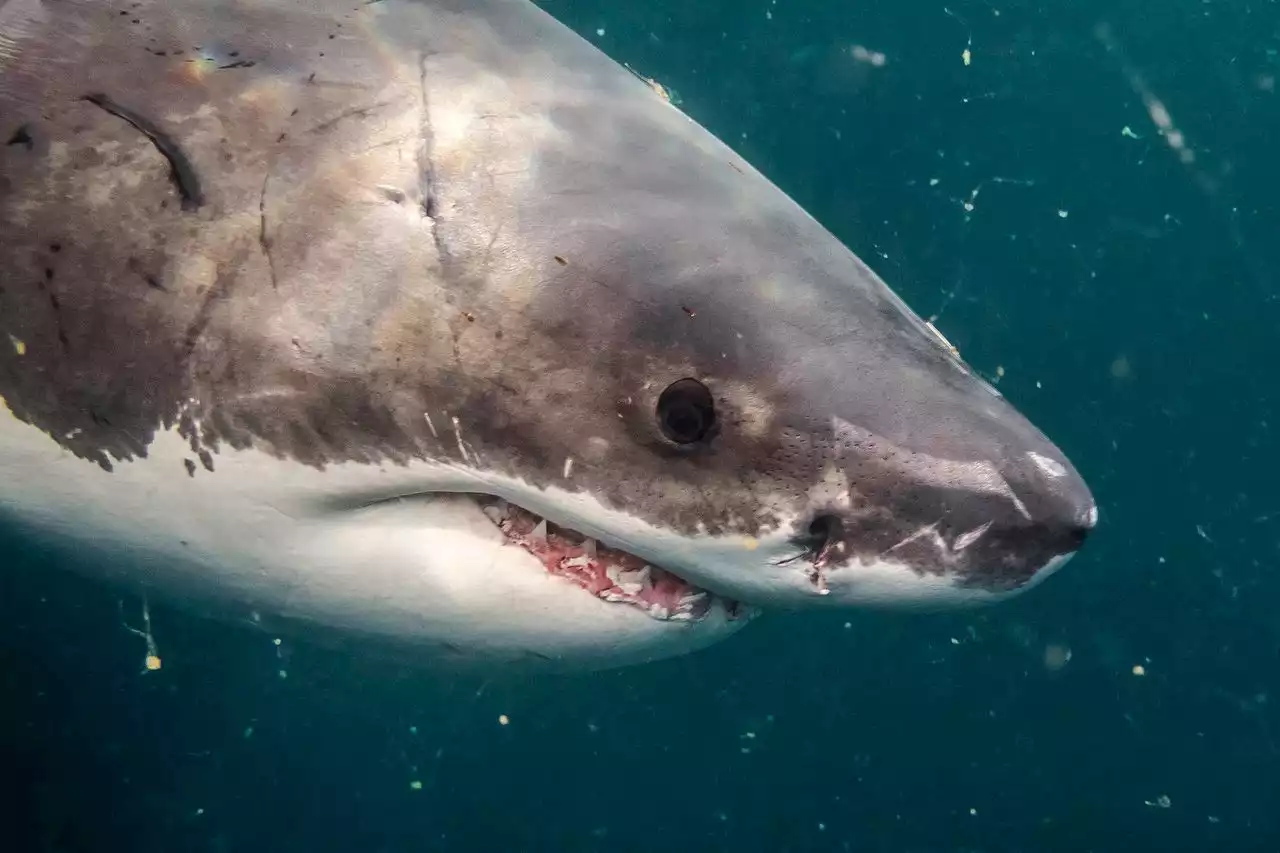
[824, 532]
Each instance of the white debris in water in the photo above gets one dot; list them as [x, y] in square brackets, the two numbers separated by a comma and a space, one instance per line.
[873, 58]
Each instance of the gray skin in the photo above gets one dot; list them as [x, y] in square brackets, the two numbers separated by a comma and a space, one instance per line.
[193, 232]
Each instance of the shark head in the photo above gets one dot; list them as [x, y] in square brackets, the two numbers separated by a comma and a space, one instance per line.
[454, 330]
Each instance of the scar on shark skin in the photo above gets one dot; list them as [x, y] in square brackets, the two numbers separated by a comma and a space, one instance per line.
[183, 173]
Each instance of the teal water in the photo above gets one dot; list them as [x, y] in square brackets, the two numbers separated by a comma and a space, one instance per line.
[1118, 286]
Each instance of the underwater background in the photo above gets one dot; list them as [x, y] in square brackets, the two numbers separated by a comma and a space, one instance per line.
[1083, 196]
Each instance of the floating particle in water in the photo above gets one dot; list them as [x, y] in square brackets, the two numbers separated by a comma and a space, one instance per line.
[503, 720]
[416, 785]
[151, 661]
[1121, 368]
[966, 55]
[1139, 669]
[1056, 656]
[874, 58]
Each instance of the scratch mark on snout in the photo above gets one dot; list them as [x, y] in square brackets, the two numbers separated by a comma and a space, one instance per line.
[353, 112]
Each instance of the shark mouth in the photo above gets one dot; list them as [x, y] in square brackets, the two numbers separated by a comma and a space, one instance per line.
[607, 573]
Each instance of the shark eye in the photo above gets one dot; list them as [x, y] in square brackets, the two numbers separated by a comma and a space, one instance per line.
[686, 412]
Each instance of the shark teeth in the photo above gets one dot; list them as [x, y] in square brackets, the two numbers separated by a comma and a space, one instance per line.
[693, 599]
[608, 573]
[497, 514]
[640, 577]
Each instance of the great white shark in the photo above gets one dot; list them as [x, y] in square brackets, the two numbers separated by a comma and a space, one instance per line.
[426, 320]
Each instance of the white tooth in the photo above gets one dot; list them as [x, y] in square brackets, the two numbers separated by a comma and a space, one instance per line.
[589, 546]
[610, 595]
[693, 599]
[682, 616]
[612, 573]
[639, 578]
[540, 532]
[495, 514]
[659, 612]
[630, 588]
[574, 562]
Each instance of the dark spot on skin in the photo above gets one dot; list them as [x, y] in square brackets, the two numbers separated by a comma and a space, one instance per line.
[57, 315]
[240, 63]
[206, 459]
[191, 467]
[184, 175]
[55, 247]
[312, 77]
[429, 206]
[293, 112]
[135, 266]
[686, 413]
[22, 136]
[561, 261]
[688, 311]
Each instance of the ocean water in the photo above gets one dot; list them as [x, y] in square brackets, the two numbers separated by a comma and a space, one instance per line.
[1084, 197]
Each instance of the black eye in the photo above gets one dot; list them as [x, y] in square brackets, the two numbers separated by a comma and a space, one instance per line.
[686, 412]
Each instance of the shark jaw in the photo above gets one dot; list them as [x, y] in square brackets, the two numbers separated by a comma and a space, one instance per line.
[610, 574]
